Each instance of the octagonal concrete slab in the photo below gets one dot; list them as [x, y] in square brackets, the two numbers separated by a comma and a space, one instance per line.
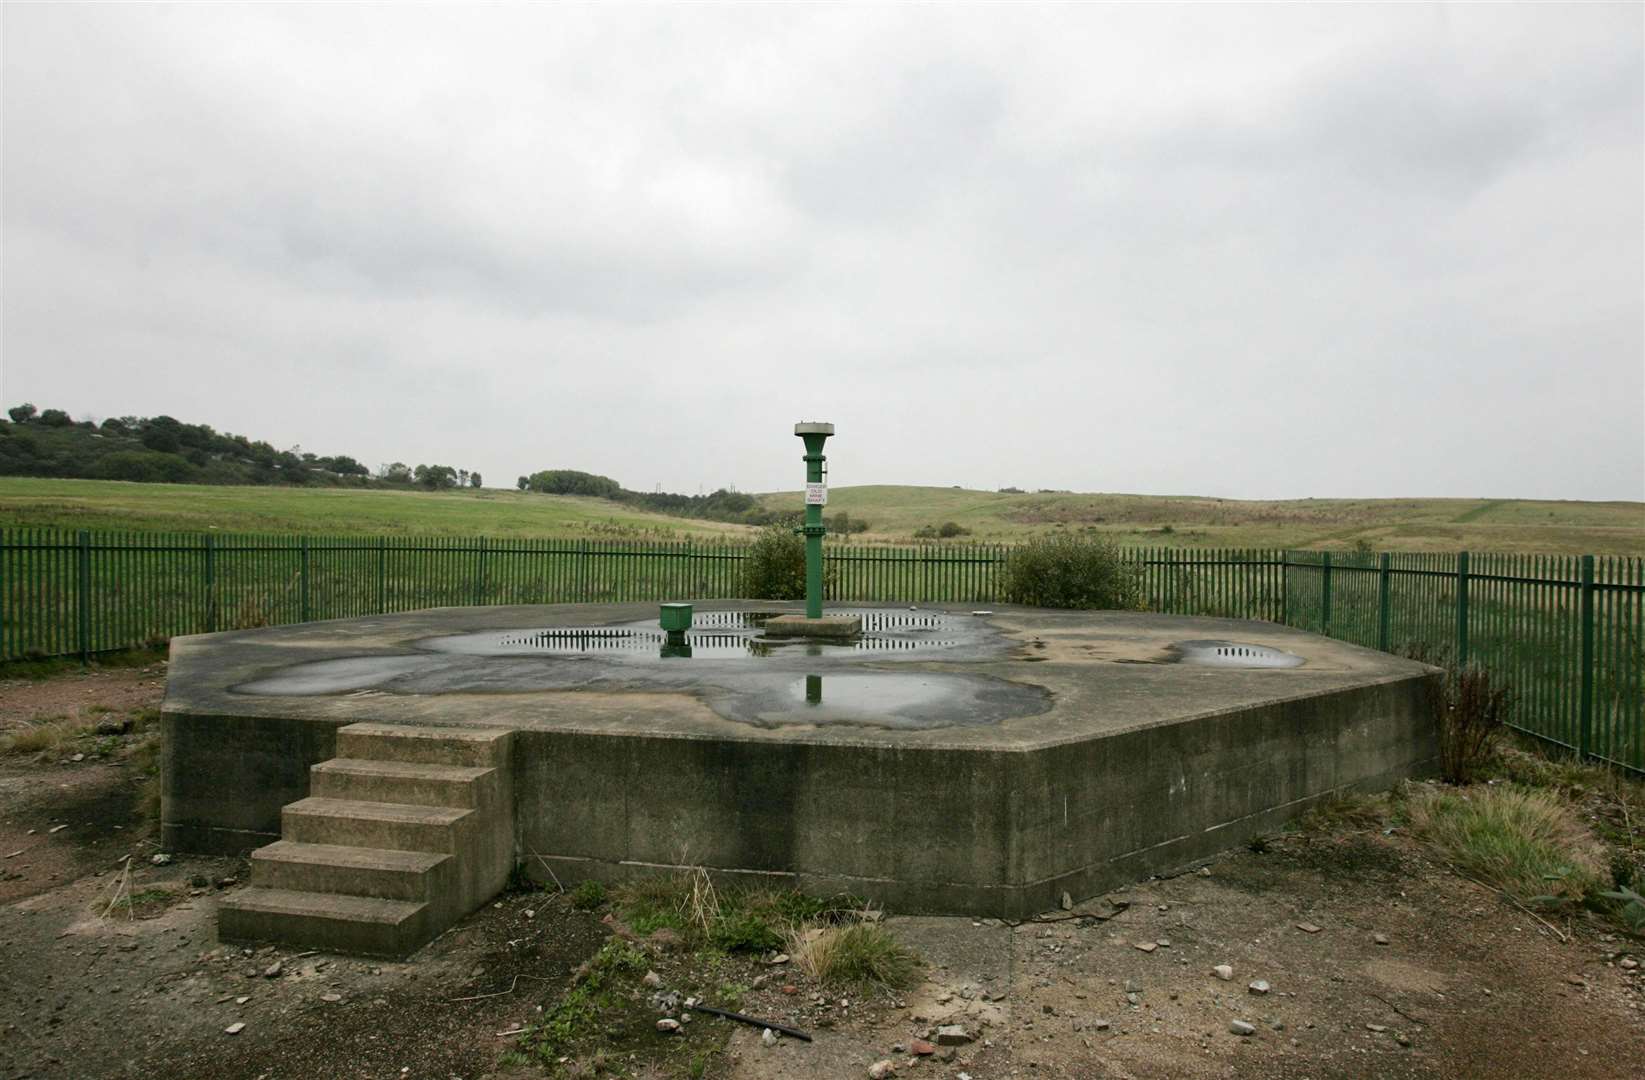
[1032, 753]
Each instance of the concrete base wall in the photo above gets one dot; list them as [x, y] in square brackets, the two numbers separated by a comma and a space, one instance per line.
[988, 831]
[224, 779]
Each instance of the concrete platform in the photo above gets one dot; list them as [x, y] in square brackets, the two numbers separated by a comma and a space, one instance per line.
[827, 626]
[1037, 752]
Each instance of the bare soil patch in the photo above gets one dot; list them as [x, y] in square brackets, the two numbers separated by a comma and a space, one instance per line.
[1412, 972]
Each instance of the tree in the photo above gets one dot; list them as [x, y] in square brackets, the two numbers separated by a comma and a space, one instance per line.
[161, 440]
[435, 477]
[473, 479]
[55, 418]
[397, 473]
[523, 482]
[21, 413]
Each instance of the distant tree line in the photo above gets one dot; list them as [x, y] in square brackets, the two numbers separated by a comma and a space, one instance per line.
[161, 449]
[720, 505]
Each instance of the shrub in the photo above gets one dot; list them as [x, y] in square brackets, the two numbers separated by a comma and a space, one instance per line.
[950, 529]
[1471, 714]
[774, 568]
[1064, 570]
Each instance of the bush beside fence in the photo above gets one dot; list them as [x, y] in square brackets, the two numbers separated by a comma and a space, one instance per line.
[1567, 634]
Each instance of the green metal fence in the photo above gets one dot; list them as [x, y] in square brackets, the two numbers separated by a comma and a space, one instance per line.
[1565, 633]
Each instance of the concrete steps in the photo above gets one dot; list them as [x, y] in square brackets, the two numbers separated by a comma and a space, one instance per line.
[349, 924]
[407, 830]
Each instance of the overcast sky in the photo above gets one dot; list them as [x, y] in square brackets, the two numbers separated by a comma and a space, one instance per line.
[1262, 252]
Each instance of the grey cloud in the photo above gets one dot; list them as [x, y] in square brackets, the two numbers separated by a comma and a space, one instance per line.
[1133, 248]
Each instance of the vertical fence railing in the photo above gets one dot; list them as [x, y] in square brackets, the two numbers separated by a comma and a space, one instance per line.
[1566, 634]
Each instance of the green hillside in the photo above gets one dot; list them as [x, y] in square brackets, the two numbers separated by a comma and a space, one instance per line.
[896, 513]
[103, 504]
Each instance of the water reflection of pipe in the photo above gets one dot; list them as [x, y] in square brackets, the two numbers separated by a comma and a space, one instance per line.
[675, 646]
[813, 689]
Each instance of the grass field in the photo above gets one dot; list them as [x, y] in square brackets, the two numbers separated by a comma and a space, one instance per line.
[108, 504]
[894, 513]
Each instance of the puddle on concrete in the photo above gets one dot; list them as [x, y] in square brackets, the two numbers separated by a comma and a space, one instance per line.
[334, 676]
[715, 635]
[796, 682]
[1235, 654]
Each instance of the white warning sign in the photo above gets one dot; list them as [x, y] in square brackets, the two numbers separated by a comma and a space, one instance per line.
[816, 494]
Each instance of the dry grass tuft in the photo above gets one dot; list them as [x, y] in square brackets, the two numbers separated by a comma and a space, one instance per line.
[858, 953]
[42, 736]
[1529, 844]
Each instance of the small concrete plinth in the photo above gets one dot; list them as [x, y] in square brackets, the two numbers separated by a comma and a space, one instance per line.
[827, 628]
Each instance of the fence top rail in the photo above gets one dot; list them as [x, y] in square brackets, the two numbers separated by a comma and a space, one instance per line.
[1611, 570]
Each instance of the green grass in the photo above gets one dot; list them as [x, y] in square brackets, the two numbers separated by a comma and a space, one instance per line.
[895, 513]
[1528, 843]
[108, 504]
[727, 920]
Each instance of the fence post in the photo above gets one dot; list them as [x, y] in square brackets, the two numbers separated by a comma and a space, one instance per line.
[83, 608]
[211, 583]
[480, 576]
[1325, 594]
[1462, 609]
[582, 570]
[1586, 702]
[1284, 587]
[1383, 576]
[382, 575]
[302, 583]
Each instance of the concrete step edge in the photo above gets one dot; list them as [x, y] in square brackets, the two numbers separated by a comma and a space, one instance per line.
[404, 770]
[342, 855]
[430, 734]
[408, 813]
[332, 906]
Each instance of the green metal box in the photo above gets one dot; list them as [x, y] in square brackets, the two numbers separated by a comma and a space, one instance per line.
[676, 618]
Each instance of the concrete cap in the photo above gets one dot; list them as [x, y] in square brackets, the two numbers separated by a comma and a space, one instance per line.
[814, 428]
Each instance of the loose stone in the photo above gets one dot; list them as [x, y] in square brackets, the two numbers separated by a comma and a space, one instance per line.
[953, 1035]
[881, 1069]
[1308, 928]
[668, 1026]
[1260, 986]
[235, 1028]
[1240, 1027]
[768, 1037]
[1223, 971]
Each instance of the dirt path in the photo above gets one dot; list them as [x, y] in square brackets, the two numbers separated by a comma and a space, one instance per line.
[1459, 983]
[74, 697]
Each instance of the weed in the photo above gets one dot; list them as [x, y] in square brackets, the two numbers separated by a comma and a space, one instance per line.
[1527, 843]
[1628, 908]
[588, 896]
[144, 759]
[43, 736]
[1471, 714]
[861, 953]
[576, 1015]
[1345, 812]
[731, 920]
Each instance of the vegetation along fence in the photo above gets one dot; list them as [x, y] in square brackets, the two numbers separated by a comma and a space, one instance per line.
[1566, 634]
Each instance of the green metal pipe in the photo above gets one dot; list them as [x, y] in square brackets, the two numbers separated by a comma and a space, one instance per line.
[814, 435]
